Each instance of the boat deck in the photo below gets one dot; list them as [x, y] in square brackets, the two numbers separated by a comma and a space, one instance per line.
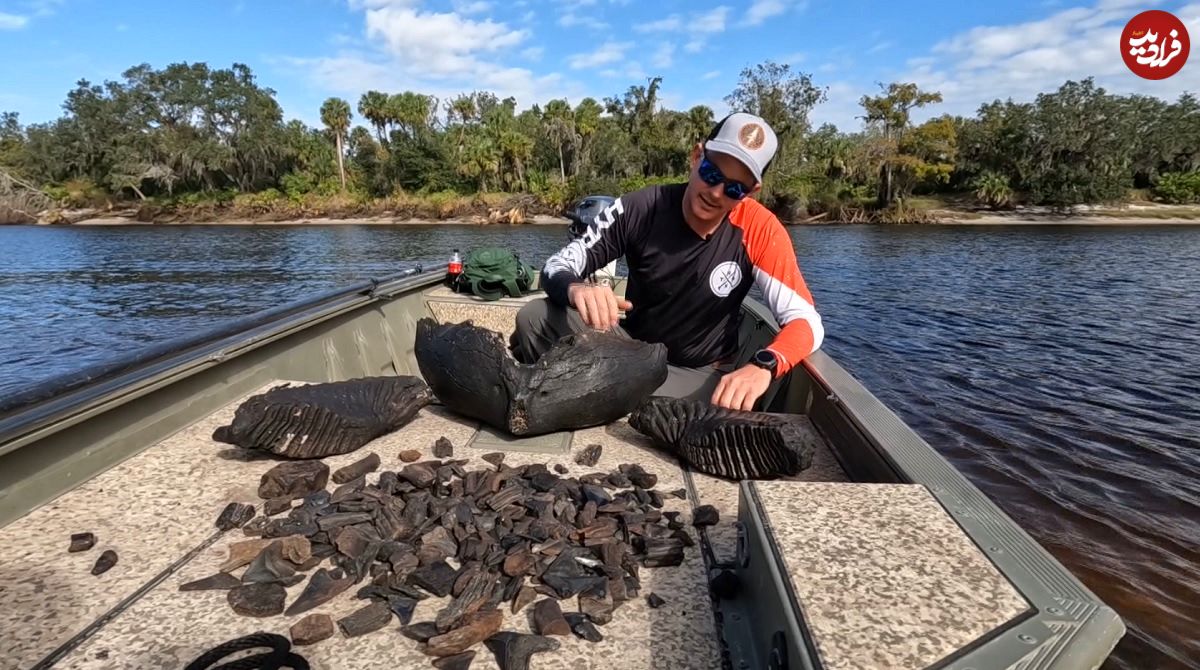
[156, 510]
[885, 576]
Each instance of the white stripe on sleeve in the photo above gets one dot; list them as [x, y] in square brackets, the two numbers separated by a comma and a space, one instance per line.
[787, 305]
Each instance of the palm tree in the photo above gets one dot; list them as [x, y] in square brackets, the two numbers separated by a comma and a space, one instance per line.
[373, 107]
[335, 114]
[464, 108]
[480, 160]
[700, 122]
[560, 125]
[517, 150]
[587, 123]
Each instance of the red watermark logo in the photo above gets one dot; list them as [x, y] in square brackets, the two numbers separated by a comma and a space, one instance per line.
[1155, 44]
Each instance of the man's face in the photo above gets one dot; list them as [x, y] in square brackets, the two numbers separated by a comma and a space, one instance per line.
[709, 203]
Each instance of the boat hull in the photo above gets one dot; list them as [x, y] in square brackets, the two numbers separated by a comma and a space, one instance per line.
[1028, 610]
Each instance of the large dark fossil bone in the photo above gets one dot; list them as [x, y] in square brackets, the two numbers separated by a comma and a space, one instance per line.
[586, 379]
[723, 442]
[321, 420]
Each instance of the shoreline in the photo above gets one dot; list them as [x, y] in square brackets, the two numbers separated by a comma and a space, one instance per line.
[535, 220]
[1077, 220]
[546, 220]
[941, 217]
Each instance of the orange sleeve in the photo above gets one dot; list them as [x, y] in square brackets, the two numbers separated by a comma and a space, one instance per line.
[777, 275]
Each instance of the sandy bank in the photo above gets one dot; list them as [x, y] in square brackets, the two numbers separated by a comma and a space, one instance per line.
[537, 220]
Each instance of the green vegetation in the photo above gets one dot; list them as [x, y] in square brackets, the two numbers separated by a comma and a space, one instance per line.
[190, 141]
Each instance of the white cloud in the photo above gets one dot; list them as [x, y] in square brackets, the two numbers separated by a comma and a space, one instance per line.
[609, 52]
[439, 53]
[442, 43]
[44, 7]
[378, 4]
[672, 23]
[533, 53]
[712, 21]
[711, 74]
[572, 20]
[12, 21]
[1019, 61]
[351, 74]
[706, 23]
[665, 55]
[761, 10]
[880, 46]
[632, 70]
[469, 7]
[701, 23]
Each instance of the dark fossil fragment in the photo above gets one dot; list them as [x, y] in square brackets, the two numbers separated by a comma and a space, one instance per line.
[105, 563]
[293, 479]
[221, 581]
[726, 443]
[365, 620]
[589, 455]
[586, 379]
[322, 587]
[82, 542]
[235, 515]
[257, 600]
[318, 420]
[357, 469]
[513, 650]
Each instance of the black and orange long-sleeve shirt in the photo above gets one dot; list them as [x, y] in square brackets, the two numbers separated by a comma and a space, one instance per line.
[687, 291]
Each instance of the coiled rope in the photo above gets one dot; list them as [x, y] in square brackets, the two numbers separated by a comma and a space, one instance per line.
[279, 657]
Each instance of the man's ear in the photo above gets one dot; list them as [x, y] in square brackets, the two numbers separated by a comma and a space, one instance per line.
[695, 157]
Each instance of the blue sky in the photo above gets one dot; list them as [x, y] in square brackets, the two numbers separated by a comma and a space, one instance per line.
[307, 50]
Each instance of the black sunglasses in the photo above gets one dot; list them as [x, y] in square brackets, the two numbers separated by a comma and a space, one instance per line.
[712, 175]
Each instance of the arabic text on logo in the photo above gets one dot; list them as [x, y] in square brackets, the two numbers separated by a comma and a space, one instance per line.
[1155, 44]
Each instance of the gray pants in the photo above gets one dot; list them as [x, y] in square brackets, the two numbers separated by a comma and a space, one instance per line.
[541, 323]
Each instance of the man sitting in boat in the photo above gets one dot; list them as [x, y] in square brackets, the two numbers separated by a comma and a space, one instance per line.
[693, 250]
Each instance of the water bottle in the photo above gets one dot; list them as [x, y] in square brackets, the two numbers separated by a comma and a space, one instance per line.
[456, 266]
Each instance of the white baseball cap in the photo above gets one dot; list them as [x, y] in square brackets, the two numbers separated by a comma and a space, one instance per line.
[747, 138]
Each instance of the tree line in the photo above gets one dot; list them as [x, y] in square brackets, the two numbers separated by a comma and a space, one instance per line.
[189, 132]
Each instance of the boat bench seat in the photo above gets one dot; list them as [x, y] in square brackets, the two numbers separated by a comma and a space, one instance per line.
[883, 577]
[499, 315]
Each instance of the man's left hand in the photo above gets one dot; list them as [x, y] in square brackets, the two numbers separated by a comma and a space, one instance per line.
[742, 388]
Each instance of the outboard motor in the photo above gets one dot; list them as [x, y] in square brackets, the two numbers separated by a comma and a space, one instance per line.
[581, 216]
[585, 211]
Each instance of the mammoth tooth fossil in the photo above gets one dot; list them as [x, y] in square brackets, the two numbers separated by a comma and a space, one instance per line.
[586, 379]
[321, 420]
[726, 443]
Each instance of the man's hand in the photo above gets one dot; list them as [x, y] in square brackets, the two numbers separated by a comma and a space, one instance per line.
[598, 305]
[742, 388]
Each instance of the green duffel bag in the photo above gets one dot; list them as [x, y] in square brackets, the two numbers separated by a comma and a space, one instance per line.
[493, 272]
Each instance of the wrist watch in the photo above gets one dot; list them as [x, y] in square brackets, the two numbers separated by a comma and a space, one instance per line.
[766, 359]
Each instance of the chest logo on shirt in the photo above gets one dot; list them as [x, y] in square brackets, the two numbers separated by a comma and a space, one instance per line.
[724, 278]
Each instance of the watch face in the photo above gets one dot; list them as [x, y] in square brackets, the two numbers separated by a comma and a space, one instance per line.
[765, 357]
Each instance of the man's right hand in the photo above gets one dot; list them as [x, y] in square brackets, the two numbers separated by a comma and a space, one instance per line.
[597, 304]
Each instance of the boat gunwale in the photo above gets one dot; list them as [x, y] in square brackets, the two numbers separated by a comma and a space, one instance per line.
[65, 400]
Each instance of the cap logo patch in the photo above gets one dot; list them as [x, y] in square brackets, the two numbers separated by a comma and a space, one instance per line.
[752, 136]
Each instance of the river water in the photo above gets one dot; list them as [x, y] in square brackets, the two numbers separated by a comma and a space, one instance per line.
[1057, 367]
